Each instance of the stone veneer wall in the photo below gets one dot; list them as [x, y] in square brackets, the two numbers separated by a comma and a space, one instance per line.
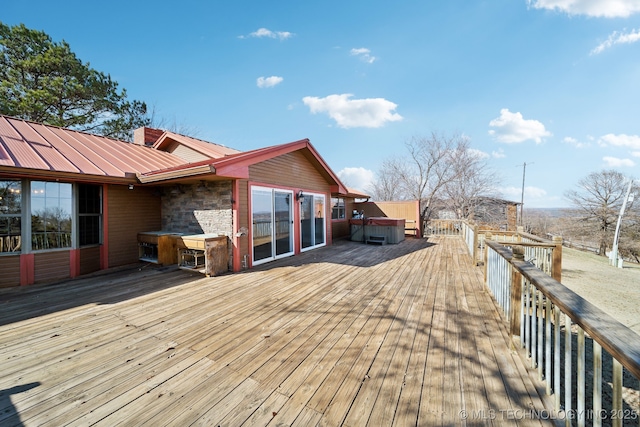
[199, 208]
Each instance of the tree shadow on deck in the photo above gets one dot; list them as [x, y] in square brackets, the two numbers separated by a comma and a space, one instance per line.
[466, 373]
[121, 284]
[355, 254]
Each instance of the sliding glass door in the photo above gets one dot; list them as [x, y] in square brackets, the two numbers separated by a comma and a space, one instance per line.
[272, 223]
[312, 221]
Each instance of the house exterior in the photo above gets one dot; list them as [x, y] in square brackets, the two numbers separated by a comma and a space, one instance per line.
[494, 213]
[72, 203]
[488, 212]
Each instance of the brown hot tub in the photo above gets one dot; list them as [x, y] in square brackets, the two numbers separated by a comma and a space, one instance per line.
[377, 230]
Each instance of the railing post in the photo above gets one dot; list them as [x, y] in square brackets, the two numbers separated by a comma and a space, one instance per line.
[516, 290]
[556, 261]
[485, 255]
[475, 244]
[519, 231]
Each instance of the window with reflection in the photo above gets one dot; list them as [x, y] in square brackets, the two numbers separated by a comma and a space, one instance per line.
[51, 211]
[10, 216]
[337, 208]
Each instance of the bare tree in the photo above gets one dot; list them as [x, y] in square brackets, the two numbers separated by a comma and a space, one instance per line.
[388, 186]
[437, 167]
[471, 182]
[171, 124]
[598, 200]
[427, 169]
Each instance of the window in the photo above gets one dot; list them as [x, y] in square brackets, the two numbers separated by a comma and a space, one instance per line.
[10, 216]
[337, 208]
[51, 207]
[89, 214]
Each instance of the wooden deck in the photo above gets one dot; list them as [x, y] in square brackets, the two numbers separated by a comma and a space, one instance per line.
[344, 335]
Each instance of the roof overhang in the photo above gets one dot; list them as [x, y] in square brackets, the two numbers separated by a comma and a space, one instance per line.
[189, 171]
[43, 174]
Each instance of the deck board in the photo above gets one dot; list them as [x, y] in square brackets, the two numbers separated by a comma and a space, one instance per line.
[349, 334]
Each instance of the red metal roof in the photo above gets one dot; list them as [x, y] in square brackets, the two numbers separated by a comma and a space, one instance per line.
[29, 145]
[32, 148]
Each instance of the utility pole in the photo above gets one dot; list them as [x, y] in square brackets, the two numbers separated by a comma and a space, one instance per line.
[524, 171]
[614, 251]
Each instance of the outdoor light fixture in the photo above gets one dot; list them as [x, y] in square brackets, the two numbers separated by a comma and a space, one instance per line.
[300, 196]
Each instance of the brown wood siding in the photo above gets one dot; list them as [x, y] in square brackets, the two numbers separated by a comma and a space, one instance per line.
[130, 212]
[290, 170]
[50, 266]
[341, 228]
[9, 271]
[89, 259]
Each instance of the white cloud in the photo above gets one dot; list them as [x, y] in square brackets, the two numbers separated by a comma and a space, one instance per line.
[636, 154]
[622, 140]
[478, 153]
[529, 192]
[352, 113]
[512, 128]
[499, 154]
[358, 178]
[264, 32]
[617, 38]
[263, 82]
[364, 54]
[614, 162]
[572, 141]
[595, 8]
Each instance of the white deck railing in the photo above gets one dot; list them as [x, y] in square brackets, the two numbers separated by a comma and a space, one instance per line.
[555, 327]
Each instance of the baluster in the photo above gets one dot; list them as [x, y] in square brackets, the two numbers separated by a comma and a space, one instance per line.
[581, 379]
[523, 315]
[597, 384]
[540, 318]
[567, 369]
[547, 347]
[617, 394]
[556, 358]
[528, 318]
[534, 325]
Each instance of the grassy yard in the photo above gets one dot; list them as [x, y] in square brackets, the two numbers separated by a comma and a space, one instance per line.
[615, 290]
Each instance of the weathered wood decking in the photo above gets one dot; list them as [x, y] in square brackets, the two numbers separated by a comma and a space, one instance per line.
[345, 335]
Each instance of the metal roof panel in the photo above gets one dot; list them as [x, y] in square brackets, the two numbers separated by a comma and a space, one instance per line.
[21, 153]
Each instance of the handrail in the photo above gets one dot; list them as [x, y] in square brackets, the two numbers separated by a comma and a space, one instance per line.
[620, 341]
[536, 307]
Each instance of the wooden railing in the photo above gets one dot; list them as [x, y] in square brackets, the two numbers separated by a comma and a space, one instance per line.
[554, 326]
[545, 254]
[443, 227]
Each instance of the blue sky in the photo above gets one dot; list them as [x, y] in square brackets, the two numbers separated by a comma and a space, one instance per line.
[553, 83]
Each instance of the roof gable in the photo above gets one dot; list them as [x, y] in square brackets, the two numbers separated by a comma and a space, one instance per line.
[190, 148]
[237, 165]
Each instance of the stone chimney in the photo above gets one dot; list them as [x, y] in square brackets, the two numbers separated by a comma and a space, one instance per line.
[146, 136]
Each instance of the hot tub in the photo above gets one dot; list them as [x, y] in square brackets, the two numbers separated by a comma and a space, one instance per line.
[391, 228]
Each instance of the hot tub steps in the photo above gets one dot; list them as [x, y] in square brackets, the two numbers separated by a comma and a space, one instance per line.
[380, 240]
